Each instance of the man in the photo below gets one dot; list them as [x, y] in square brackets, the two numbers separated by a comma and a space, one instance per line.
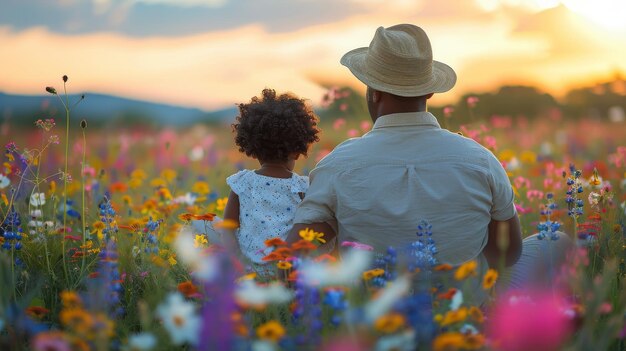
[377, 188]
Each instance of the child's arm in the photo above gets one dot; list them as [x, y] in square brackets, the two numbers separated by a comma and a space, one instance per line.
[231, 214]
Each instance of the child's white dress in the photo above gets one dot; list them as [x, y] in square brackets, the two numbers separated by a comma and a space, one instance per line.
[267, 206]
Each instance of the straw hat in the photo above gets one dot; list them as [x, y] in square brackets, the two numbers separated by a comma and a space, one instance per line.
[400, 61]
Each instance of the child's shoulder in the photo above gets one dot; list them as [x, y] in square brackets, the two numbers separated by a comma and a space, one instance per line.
[240, 180]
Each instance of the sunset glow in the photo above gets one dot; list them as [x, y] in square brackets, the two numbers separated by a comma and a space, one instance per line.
[554, 45]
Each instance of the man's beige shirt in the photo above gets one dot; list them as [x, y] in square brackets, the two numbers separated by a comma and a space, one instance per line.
[379, 186]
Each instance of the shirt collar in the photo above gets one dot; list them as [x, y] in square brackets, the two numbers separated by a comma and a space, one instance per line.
[406, 119]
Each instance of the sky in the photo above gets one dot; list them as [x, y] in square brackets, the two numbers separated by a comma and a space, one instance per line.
[211, 54]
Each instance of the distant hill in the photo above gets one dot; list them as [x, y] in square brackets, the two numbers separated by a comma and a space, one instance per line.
[103, 109]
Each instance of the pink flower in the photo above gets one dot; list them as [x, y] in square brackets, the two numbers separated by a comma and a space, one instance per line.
[472, 101]
[534, 321]
[365, 126]
[356, 245]
[353, 133]
[447, 111]
[339, 123]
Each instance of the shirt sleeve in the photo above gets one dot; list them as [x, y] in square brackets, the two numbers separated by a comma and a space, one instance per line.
[502, 207]
[300, 184]
[238, 182]
[319, 202]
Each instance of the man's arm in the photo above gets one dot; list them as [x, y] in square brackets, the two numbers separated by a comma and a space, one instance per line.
[504, 243]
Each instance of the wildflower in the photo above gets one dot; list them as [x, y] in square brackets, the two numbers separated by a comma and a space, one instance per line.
[389, 323]
[201, 188]
[303, 245]
[386, 298]
[356, 245]
[452, 317]
[51, 341]
[221, 203]
[205, 217]
[169, 174]
[272, 256]
[404, 341]
[51, 90]
[465, 270]
[474, 341]
[354, 262]
[448, 341]
[250, 293]
[472, 101]
[37, 312]
[70, 299]
[228, 224]
[118, 187]
[4, 181]
[188, 289]
[490, 279]
[310, 235]
[283, 265]
[179, 319]
[37, 199]
[476, 314]
[372, 273]
[142, 342]
[271, 330]
[283, 252]
[275, 242]
[200, 240]
[444, 267]
[76, 319]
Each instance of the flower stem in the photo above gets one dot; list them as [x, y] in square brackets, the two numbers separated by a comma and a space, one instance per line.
[65, 175]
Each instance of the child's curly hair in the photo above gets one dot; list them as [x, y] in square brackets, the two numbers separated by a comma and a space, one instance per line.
[271, 127]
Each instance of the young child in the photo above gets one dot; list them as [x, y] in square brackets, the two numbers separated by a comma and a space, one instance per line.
[275, 130]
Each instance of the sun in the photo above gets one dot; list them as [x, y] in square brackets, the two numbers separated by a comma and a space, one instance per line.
[609, 14]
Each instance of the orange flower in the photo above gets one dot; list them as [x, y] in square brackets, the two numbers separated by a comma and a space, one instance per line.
[476, 314]
[37, 311]
[474, 341]
[447, 295]
[188, 289]
[227, 224]
[372, 273]
[275, 242]
[273, 256]
[271, 330]
[389, 323]
[283, 251]
[185, 217]
[448, 341]
[490, 279]
[443, 267]
[303, 245]
[465, 270]
[118, 187]
[205, 217]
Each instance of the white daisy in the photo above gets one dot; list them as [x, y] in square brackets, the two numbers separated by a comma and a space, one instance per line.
[179, 319]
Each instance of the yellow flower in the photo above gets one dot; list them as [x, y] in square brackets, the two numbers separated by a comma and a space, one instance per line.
[169, 174]
[283, 265]
[98, 227]
[465, 270]
[311, 235]
[76, 319]
[139, 174]
[5, 201]
[221, 203]
[271, 330]
[449, 341]
[201, 188]
[476, 314]
[506, 155]
[389, 323]
[200, 240]
[135, 183]
[452, 317]
[52, 187]
[490, 279]
[158, 182]
[528, 157]
[70, 299]
[372, 273]
[249, 276]
[127, 200]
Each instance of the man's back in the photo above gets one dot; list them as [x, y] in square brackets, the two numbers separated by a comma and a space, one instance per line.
[378, 188]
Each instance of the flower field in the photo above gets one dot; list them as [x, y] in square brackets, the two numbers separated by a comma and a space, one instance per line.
[108, 243]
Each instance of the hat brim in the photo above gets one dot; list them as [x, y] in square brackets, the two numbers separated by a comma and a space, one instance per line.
[442, 80]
